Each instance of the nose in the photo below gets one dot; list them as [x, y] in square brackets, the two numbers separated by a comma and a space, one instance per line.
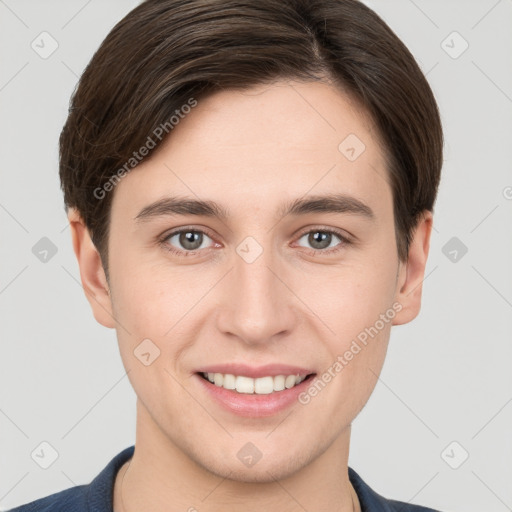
[256, 305]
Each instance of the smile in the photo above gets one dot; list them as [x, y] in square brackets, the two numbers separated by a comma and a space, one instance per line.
[248, 385]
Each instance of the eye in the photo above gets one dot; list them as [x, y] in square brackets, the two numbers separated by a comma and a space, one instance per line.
[321, 239]
[185, 241]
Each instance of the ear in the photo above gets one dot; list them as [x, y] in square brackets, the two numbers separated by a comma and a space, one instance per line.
[92, 274]
[412, 272]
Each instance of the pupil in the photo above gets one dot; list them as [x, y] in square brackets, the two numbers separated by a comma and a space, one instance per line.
[317, 240]
[188, 238]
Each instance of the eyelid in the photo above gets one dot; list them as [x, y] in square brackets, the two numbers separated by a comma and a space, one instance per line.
[175, 231]
[327, 229]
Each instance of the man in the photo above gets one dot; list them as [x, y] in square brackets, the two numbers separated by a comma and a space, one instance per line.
[250, 190]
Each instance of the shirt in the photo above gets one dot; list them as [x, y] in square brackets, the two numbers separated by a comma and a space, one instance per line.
[98, 495]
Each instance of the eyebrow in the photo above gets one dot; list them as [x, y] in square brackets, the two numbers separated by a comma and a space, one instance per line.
[331, 203]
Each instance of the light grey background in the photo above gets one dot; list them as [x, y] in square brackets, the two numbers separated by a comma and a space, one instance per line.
[448, 374]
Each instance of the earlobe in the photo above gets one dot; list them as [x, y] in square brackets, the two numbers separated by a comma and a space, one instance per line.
[92, 274]
[412, 272]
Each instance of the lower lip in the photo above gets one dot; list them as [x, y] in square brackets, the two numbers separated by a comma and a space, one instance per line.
[254, 405]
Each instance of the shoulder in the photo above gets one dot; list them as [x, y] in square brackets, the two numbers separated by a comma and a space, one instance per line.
[371, 501]
[96, 496]
[69, 500]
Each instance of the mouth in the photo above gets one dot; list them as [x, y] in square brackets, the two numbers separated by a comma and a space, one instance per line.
[265, 385]
[253, 391]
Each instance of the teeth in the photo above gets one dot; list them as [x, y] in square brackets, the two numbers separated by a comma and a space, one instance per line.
[229, 381]
[264, 385]
[259, 386]
[279, 381]
[244, 384]
[289, 382]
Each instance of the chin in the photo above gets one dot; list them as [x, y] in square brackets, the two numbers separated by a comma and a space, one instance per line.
[265, 470]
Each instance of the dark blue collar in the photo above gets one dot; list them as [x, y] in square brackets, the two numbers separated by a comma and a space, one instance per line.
[98, 495]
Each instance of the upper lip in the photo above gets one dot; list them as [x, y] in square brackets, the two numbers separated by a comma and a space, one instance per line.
[268, 370]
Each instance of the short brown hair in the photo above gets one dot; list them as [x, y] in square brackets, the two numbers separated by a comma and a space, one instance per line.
[165, 52]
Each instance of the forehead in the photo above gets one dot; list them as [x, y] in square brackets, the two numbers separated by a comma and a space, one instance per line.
[282, 140]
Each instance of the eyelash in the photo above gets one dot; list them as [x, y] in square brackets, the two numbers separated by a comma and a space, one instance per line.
[344, 241]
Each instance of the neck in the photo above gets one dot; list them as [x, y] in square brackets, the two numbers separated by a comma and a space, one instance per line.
[161, 475]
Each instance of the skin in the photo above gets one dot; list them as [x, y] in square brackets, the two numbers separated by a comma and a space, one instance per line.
[251, 151]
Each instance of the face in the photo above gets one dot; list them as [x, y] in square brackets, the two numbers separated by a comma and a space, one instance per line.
[254, 291]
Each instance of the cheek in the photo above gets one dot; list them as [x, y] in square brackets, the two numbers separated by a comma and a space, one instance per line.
[152, 302]
[146, 298]
[351, 298]
[357, 305]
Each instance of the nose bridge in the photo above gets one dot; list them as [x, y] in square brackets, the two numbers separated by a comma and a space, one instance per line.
[256, 307]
